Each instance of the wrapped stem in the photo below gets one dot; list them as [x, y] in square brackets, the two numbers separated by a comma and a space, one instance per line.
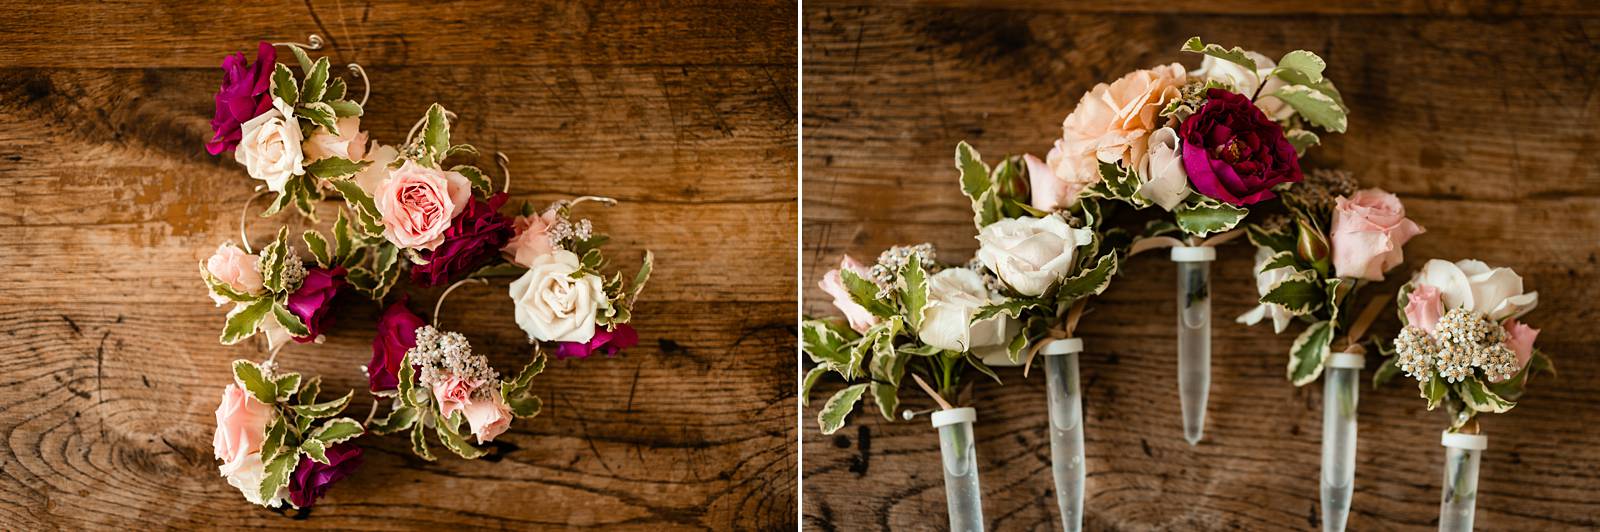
[1066, 428]
[1459, 498]
[1194, 336]
[960, 463]
[1340, 395]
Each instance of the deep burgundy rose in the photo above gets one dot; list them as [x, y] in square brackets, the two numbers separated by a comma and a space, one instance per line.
[243, 96]
[310, 303]
[1234, 153]
[311, 478]
[604, 341]
[397, 333]
[474, 237]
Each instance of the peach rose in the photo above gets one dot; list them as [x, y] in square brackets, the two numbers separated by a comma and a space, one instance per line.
[833, 284]
[1424, 307]
[1519, 338]
[372, 178]
[533, 238]
[453, 394]
[1369, 228]
[241, 427]
[350, 143]
[233, 267]
[417, 204]
[1113, 122]
[489, 417]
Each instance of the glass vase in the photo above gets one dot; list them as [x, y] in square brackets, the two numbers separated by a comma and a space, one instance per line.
[1066, 427]
[1460, 494]
[1194, 336]
[960, 461]
[1340, 395]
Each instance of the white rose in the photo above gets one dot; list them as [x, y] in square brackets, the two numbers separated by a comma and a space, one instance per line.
[350, 143]
[954, 296]
[269, 146]
[1265, 282]
[552, 306]
[1495, 292]
[246, 476]
[371, 178]
[1245, 82]
[1030, 254]
[1165, 181]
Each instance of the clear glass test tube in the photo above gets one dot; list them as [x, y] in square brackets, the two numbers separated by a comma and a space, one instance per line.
[1459, 497]
[960, 457]
[1194, 336]
[1066, 427]
[1341, 385]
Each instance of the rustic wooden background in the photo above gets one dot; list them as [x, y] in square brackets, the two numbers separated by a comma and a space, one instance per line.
[109, 365]
[1480, 115]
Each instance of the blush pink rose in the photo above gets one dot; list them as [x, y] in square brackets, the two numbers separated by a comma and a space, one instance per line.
[1049, 191]
[488, 417]
[1519, 338]
[533, 238]
[453, 394]
[1113, 122]
[350, 143]
[417, 204]
[241, 427]
[1424, 308]
[1369, 228]
[235, 268]
[833, 284]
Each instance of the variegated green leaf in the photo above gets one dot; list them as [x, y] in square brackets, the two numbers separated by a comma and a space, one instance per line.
[838, 407]
[1308, 353]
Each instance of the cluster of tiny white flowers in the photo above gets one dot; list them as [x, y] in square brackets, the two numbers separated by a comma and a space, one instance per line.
[294, 272]
[444, 354]
[564, 230]
[1463, 340]
[893, 259]
[990, 280]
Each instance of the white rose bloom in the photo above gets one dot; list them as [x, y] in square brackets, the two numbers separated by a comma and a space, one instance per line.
[954, 296]
[269, 146]
[1265, 281]
[246, 475]
[1245, 82]
[1495, 292]
[1030, 254]
[551, 306]
[1165, 181]
[350, 143]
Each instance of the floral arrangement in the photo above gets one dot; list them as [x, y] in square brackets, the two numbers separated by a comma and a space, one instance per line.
[1310, 264]
[1462, 340]
[1203, 145]
[404, 210]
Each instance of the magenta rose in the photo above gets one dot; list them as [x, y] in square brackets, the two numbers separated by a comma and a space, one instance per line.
[311, 302]
[604, 341]
[244, 95]
[475, 236]
[1235, 154]
[311, 478]
[397, 333]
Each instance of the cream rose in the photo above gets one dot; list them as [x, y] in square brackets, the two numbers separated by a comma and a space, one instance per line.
[247, 479]
[488, 416]
[417, 203]
[241, 427]
[1165, 182]
[860, 319]
[1245, 82]
[372, 178]
[350, 143]
[1265, 282]
[551, 306]
[954, 296]
[1030, 254]
[233, 267]
[1113, 122]
[269, 147]
[533, 237]
[1494, 292]
[1369, 228]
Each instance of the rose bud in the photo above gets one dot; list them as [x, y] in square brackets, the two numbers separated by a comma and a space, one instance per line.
[1311, 246]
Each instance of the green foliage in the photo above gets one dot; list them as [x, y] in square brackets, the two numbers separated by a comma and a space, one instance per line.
[244, 320]
[288, 320]
[914, 291]
[324, 409]
[865, 293]
[1201, 216]
[1300, 294]
[1309, 352]
[254, 380]
[435, 136]
[978, 185]
[277, 471]
[320, 114]
[336, 167]
[1316, 106]
[515, 392]
[284, 86]
[399, 419]
[1235, 55]
[1089, 282]
[833, 413]
[474, 176]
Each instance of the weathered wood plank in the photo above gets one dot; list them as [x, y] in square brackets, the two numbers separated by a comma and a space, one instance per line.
[109, 366]
[1482, 127]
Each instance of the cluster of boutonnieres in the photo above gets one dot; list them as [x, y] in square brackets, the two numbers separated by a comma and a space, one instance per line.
[405, 210]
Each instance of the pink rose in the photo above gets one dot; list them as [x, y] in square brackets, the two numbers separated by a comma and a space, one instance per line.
[241, 427]
[417, 204]
[833, 284]
[533, 238]
[350, 143]
[453, 394]
[1424, 308]
[489, 417]
[1519, 337]
[233, 267]
[1368, 229]
[1050, 191]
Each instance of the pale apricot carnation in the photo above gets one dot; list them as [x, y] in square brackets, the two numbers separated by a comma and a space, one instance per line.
[1113, 123]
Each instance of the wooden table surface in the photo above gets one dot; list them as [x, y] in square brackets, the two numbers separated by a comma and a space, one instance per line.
[1480, 115]
[109, 366]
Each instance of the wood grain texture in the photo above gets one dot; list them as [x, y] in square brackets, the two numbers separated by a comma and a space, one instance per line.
[109, 366]
[1483, 124]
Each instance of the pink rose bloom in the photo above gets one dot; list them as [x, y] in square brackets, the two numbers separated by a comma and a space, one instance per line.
[1368, 229]
[235, 268]
[489, 417]
[1519, 338]
[1424, 308]
[241, 427]
[350, 143]
[533, 238]
[833, 284]
[1050, 191]
[453, 394]
[417, 204]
